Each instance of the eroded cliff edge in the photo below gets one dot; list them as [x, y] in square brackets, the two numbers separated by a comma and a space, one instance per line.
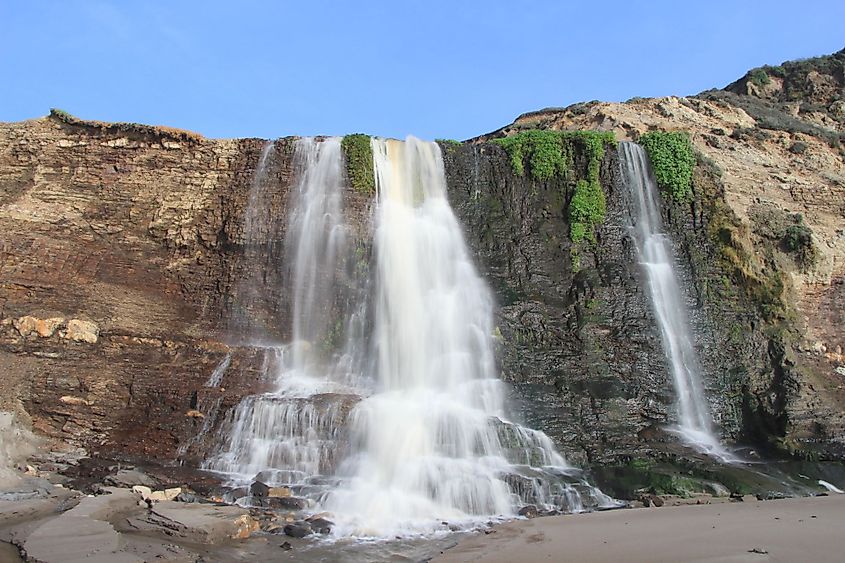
[122, 251]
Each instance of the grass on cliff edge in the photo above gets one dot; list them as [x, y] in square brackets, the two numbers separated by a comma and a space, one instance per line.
[358, 154]
[550, 154]
[127, 128]
[672, 160]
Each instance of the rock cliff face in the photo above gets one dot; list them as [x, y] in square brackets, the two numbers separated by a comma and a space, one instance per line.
[123, 252]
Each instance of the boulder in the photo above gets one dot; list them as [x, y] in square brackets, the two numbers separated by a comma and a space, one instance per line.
[287, 503]
[127, 478]
[529, 511]
[321, 525]
[278, 492]
[259, 489]
[298, 529]
[142, 490]
[245, 526]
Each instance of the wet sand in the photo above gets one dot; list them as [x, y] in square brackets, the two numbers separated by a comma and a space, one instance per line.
[801, 529]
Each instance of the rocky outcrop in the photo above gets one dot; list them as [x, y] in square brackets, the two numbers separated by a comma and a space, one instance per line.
[767, 319]
[118, 251]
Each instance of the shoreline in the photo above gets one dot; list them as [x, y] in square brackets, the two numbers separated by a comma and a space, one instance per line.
[792, 529]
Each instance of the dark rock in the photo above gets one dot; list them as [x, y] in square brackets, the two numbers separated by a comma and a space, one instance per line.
[286, 503]
[529, 511]
[321, 525]
[128, 478]
[97, 489]
[298, 529]
[191, 498]
[286, 546]
[259, 489]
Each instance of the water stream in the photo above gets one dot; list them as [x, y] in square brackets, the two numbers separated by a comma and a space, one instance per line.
[695, 424]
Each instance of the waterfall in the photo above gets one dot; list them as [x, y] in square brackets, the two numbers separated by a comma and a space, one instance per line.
[433, 442]
[289, 435]
[386, 409]
[656, 257]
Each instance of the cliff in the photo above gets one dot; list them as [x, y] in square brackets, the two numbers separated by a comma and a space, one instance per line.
[123, 252]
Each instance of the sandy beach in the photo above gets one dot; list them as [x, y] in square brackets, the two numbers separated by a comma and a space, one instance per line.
[800, 529]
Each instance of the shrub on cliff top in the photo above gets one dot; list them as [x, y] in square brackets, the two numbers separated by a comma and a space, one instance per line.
[672, 159]
[358, 153]
[548, 154]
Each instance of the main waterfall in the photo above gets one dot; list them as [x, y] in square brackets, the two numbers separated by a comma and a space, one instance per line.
[695, 424]
[387, 410]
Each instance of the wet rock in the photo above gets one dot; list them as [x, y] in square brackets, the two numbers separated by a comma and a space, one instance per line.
[286, 546]
[278, 492]
[189, 497]
[650, 499]
[287, 503]
[128, 478]
[328, 515]
[321, 525]
[259, 489]
[529, 511]
[97, 489]
[298, 529]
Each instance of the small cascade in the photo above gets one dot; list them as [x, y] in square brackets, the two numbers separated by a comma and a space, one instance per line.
[209, 405]
[290, 435]
[695, 424]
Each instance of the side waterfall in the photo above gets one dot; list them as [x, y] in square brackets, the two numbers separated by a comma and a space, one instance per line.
[387, 410]
[289, 435]
[654, 248]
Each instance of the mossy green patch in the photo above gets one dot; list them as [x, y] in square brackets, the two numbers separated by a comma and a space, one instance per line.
[448, 144]
[672, 159]
[550, 154]
[358, 154]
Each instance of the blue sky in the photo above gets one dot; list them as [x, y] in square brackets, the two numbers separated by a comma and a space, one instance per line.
[434, 68]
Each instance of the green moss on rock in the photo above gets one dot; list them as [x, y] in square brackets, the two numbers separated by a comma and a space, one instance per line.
[358, 155]
[550, 154]
[673, 160]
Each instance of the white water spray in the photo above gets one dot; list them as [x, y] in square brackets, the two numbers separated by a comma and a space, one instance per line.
[655, 252]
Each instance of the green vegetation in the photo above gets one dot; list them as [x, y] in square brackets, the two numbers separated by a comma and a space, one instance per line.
[586, 210]
[759, 77]
[448, 144]
[550, 154]
[798, 240]
[673, 160]
[135, 129]
[359, 163]
[61, 115]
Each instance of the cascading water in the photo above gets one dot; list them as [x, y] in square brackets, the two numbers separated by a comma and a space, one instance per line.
[655, 253]
[432, 442]
[289, 434]
[393, 423]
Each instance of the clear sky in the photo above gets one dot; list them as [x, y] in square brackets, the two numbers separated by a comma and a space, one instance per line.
[448, 69]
